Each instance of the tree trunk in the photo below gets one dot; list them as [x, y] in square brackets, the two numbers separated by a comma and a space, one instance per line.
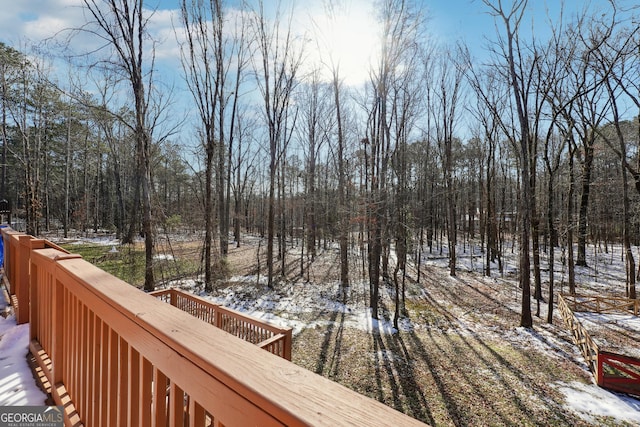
[147, 220]
[271, 215]
[570, 255]
[584, 204]
[451, 211]
[208, 217]
[552, 242]
[343, 212]
[222, 200]
[67, 168]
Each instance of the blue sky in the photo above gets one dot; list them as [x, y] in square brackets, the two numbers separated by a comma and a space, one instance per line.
[449, 19]
[23, 22]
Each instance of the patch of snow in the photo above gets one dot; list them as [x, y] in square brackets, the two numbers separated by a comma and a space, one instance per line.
[627, 321]
[17, 385]
[624, 325]
[163, 257]
[100, 241]
[281, 308]
[540, 340]
[366, 323]
[250, 279]
[589, 400]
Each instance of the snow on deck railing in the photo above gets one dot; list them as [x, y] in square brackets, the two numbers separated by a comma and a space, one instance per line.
[114, 355]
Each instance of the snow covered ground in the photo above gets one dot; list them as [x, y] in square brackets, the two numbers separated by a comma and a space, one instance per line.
[588, 400]
[602, 275]
[17, 385]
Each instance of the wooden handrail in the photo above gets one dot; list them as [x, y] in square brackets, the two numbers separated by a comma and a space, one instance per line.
[117, 356]
[235, 322]
[585, 343]
[602, 304]
[17, 253]
[619, 373]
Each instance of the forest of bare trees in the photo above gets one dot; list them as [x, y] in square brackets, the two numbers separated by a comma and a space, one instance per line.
[529, 145]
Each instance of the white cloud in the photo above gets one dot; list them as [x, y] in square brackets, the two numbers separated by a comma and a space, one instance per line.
[36, 20]
[162, 30]
[33, 21]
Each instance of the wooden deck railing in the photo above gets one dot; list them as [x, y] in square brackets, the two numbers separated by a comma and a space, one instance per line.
[16, 268]
[115, 356]
[611, 370]
[269, 337]
[581, 336]
[619, 373]
[602, 304]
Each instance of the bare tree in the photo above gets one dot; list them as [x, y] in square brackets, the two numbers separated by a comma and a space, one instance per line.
[207, 56]
[242, 166]
[122, 25]
[313, 124]
[622, 151]
[343, 210]
[444, 109]
[406, 111]
[202, 61]
[401, 24]
[592, 106]
[276, 64]
[617, 58]
[511, 53]
[490, 96]
[114, 135]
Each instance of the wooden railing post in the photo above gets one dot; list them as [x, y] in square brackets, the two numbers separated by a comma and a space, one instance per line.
[288, 333]
[173, 297]
[219, 318]
[8, 256]
[21, 287]
[57, 325]
[600, 370]
[33, 312]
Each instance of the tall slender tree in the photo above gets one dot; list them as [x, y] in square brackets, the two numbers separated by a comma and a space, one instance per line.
[400, 23]
[10, 60]
[445, 111]
[202, 59]
[276, 64]
[511, 52]
[122, 24]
